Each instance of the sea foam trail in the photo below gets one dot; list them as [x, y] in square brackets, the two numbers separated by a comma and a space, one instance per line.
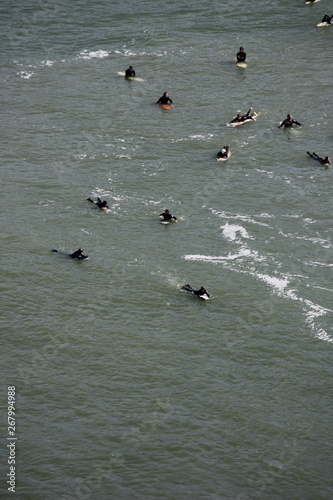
[277, 281]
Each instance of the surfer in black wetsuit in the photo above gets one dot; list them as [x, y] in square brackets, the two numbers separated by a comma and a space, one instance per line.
[165, 99]
[241, 55]
[289, 122]
[241, 118]
[323, 161]
[167, 216]
[129, 72]
[327, 19]
[78, 254]
[199, 293]
[103, 205]
[224, 152]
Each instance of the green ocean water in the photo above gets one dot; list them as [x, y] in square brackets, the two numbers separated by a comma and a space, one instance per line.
[126, 387]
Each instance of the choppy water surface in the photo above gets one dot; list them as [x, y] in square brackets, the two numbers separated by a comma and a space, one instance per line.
[126, 386]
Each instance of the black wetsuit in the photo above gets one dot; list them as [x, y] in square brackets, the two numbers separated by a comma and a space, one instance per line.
[164, 100]
[78, 255]
[223, 153]
[327, 19]
[168, 216]
[201, 292]
[99, 203]
[241, 56]
[288, 123]
[129, 72]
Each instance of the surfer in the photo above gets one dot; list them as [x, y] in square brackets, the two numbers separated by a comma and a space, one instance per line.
[323, 161]
[167, 216]
[165, 99]
[241, 118]
[327, 19]
[289, 122]
[129, 72]
[103, 205]
[201, 293]
[75, 255]
[241, 55]
[223, 153]
[78, 254]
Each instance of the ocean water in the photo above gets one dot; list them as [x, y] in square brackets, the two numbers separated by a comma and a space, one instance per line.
[126, 387]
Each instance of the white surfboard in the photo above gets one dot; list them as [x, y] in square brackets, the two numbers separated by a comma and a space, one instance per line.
[241, 64]
[134, 78]
[323, 24]
[237, 124]
[204, 297]
[315, 1]
[165, 222]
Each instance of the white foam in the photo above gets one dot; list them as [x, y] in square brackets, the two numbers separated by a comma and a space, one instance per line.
[47, 63]
[99, 54]
[245, 218]
[25, 74]
[231, 231]
[278, 283]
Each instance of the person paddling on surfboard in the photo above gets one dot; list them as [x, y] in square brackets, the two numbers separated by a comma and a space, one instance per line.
[167, 216]
[201, 293]
[224, 152]
[165, 99]
[241, 118]
[75, 255]
[289, 122]
[103, 205]
[129, 72]
[323, 161]
[241, 55]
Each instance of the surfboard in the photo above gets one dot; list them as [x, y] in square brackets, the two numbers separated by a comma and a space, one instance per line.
[315, 1]
[165, 222]
[132, 78]
[323, 24]
[241, 64]
[166, 106]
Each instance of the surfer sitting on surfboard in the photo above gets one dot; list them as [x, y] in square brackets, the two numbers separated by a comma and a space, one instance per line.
[224, 152]
[129, 72]
[289, 122]
[241, 118]
[167, 216]
[103, 205]
[241, 55]
[327, 19]
[323, 161]
[165, 99]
